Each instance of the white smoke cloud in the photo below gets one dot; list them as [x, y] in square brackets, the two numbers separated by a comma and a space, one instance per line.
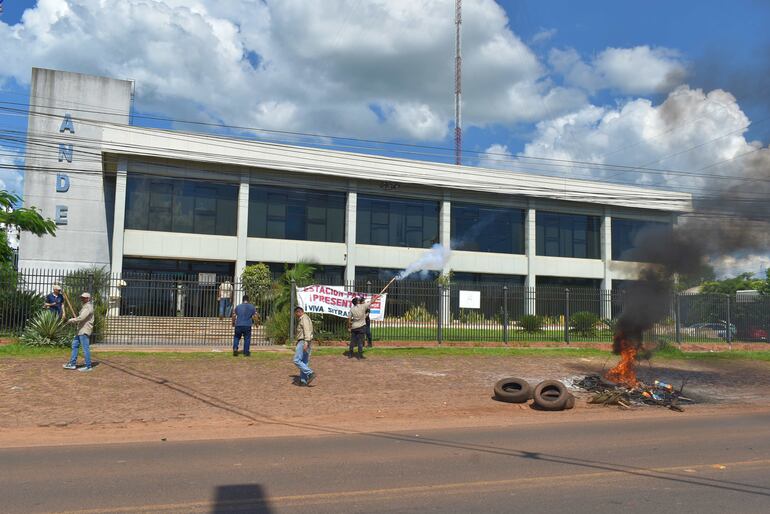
[433, 260]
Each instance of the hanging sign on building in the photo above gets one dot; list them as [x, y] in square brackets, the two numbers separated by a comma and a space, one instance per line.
[335, 300]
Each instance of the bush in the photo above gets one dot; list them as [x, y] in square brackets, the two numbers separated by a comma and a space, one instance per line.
[16, 307]
[531, 323]
[472, 317]
[257, 281]
[277, 326]
[610, 324]
[329, 328]
[419, 313]
[47, 329]
[584, 323]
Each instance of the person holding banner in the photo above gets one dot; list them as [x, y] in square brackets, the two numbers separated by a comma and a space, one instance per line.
[357, 326]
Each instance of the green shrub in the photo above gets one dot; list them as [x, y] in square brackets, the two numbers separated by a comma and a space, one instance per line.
[584, 323]
[610, 324]
[329, 328]
[531, 323]
[47, 329]
[257, 281]
[472, 317]
[16, 307]
[277, 326]
[419, 313]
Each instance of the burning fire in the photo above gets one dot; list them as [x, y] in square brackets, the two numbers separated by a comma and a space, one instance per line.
[625, 372]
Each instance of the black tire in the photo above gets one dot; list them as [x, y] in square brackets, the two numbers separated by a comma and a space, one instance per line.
[551, 395]
[513, 390]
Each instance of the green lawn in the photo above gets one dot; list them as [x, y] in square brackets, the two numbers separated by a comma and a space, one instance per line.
[17, 350]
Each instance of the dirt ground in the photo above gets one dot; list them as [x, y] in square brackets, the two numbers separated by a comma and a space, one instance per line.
[138, 398]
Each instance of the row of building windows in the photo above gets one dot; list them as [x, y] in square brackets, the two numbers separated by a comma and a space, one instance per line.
[189, 206]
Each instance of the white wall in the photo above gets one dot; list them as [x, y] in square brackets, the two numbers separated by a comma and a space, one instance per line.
[83, 241]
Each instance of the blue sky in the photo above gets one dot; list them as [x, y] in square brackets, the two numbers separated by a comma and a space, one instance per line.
[676, 86]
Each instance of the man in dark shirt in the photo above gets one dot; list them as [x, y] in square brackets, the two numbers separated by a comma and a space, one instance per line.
[54, 302]
[243, 316]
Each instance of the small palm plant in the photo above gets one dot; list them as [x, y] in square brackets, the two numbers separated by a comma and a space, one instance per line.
[46, 329]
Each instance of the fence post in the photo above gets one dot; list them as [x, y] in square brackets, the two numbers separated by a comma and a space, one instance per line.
[728, 328]
[293, 306]
[505, 314]
[677, 319]
[439, 320]
[566, 315]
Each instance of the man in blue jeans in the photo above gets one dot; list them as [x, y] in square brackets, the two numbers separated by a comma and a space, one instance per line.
[303, 334]
[243, 317]
[85, 323]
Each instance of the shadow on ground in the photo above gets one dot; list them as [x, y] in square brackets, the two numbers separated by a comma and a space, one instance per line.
[249, 498]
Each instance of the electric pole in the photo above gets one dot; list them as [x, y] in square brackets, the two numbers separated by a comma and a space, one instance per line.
[458, 83]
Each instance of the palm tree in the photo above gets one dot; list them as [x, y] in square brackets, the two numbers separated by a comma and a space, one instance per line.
[301, 274]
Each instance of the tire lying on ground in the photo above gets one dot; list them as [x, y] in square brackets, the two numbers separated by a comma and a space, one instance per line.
[513, 390]
[552, 395]
[570, 402]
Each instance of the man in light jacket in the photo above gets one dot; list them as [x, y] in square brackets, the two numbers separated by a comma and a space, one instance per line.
[303, 335]
[85, 323]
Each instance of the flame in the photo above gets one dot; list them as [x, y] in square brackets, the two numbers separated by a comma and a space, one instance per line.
[625, 371]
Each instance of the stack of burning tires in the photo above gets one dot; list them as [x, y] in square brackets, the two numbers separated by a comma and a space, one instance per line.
[549, 395]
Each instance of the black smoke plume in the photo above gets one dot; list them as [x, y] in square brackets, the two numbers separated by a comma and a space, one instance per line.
[730, 216]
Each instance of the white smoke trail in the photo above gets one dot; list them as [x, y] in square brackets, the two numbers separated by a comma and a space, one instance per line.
[434, 259]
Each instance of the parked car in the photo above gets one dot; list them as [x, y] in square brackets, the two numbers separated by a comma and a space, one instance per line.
[717, 329]
[754, 334]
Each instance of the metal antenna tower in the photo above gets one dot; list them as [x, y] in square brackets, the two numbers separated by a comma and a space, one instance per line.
[458, 83]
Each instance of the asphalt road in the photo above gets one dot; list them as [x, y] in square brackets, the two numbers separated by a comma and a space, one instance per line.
[685, 464]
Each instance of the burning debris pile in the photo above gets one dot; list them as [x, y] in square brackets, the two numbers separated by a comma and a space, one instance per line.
[626, 395]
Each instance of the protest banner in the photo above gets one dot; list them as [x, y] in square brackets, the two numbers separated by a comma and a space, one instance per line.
[335, 300]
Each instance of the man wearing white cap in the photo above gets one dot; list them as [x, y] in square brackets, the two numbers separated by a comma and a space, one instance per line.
[54, 302]
[85, 322]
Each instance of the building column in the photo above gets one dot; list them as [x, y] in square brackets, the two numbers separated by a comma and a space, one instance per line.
[350, 234]
[118, 231]
[445, 225]
[445, 238]
[530, 245]
[606, 246]
[243, 226]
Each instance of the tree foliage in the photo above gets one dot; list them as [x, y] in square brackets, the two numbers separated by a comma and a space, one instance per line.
[256, 280]
[744, 281]
[26, 219]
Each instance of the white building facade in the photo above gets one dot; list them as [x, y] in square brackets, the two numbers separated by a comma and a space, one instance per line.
[140, 199]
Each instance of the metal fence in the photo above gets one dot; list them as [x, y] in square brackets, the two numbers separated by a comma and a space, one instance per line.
[155, 309]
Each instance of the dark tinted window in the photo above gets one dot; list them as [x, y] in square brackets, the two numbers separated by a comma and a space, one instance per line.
[177, 205]
[568, 235]
[462, 277]
[281, 213]
[487, 229]
[326, 275]
[396, 222]
[625, 232]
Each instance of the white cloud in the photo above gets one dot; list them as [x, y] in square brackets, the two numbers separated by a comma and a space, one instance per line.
[690, 130]
[732, 265]
[543, 35]
[637, 71]
[496, 156]
[296, 65]
[11, 179]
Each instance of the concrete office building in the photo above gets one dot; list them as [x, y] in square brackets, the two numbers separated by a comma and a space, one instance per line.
[142, 199]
